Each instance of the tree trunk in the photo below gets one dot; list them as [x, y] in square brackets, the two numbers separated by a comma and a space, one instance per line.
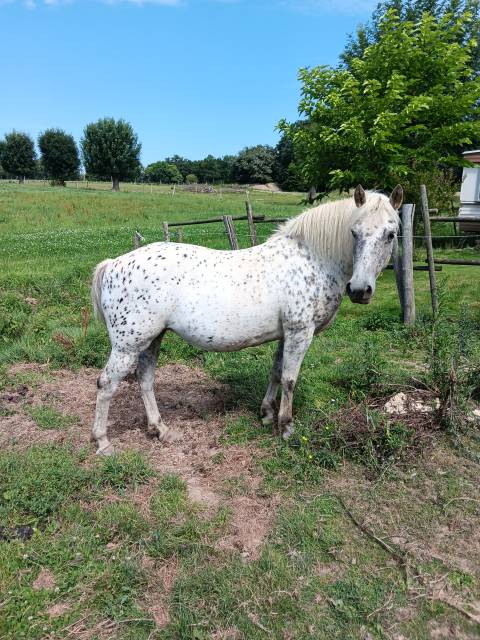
[115, 184]
[312, 194]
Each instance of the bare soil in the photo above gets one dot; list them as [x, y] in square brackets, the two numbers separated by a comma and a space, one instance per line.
[190, 402]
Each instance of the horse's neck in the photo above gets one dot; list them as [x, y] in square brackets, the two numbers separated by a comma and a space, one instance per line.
[340, 267]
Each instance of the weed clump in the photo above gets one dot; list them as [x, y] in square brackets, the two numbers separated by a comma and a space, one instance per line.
[363, 374]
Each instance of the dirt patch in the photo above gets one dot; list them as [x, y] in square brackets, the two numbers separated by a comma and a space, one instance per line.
[272, 187]
[251, 522]
[58, 609]
[449, 631]
[161, 578]
[44, 580]
[191, 403]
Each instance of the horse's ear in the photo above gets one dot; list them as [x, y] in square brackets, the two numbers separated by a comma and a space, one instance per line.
[396, 197]
[359, 196]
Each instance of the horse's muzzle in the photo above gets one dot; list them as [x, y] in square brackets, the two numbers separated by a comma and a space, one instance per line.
[360, 296]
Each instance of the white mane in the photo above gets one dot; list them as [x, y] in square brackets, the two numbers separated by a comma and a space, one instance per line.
[326, 229]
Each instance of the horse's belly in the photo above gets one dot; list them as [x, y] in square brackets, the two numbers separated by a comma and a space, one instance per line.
[222, 343]
[223, 326]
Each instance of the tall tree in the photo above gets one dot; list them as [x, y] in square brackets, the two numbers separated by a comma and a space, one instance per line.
[111, 150]
[59, 155]
[397, 114]
[412, 11]
[254, 164]
[18, 155]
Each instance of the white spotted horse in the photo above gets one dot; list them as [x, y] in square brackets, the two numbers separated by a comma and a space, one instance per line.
[287, 289]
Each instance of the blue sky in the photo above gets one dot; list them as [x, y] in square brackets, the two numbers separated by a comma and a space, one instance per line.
[192, 76]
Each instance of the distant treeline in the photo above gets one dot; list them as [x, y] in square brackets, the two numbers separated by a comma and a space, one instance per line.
[110, 150]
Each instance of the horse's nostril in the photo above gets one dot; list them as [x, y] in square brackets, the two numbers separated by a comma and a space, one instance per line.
[368, 290]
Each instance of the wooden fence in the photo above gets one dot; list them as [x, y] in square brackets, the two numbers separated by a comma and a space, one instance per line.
[428, 219]
[402, 254]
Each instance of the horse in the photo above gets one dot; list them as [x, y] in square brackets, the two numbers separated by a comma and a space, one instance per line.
[287, 289]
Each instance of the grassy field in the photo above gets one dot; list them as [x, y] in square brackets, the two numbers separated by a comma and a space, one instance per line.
[366, 533]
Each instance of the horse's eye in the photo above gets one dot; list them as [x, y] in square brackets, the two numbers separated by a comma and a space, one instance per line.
[390, 236]
[354, 234]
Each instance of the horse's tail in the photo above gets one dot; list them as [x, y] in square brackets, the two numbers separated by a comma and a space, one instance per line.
[97, 289]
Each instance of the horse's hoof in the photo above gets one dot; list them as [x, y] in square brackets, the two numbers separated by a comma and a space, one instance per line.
[267, 421]
[169, 436]
[153, 431]
[106, 451]
[288, 432]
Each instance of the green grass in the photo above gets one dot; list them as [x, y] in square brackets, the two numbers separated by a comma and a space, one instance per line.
[316, 575]
[47, 417]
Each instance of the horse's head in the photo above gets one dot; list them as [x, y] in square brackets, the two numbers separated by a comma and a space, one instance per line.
[374, 232]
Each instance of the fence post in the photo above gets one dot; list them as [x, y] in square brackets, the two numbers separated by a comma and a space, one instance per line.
[397, 267]
[166, 232]
[408, 212]
[251, 224]
[137, 239]
[230, 229]
[428, 242]
[180, 234]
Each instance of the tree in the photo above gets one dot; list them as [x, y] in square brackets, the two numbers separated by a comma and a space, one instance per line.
[254, 164]
[397, 114]
[191, 178]
[412, 11]
[111, 150]
[18, 155]
[184, 165]
[287, 164]
[59, 155]
[162, 172]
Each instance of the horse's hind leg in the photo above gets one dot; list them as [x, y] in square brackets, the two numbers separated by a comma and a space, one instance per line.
[118, 365]
[147, 361]
[269, 403]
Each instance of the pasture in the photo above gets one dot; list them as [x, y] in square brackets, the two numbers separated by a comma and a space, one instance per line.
[362, 526]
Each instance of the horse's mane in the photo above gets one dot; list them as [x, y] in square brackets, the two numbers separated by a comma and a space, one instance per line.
[326, 229]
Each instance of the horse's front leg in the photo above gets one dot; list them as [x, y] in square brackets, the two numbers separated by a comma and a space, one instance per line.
[296, 344]
[269, 403]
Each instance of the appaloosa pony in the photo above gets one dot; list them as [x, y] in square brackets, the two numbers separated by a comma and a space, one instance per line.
[287, 289]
